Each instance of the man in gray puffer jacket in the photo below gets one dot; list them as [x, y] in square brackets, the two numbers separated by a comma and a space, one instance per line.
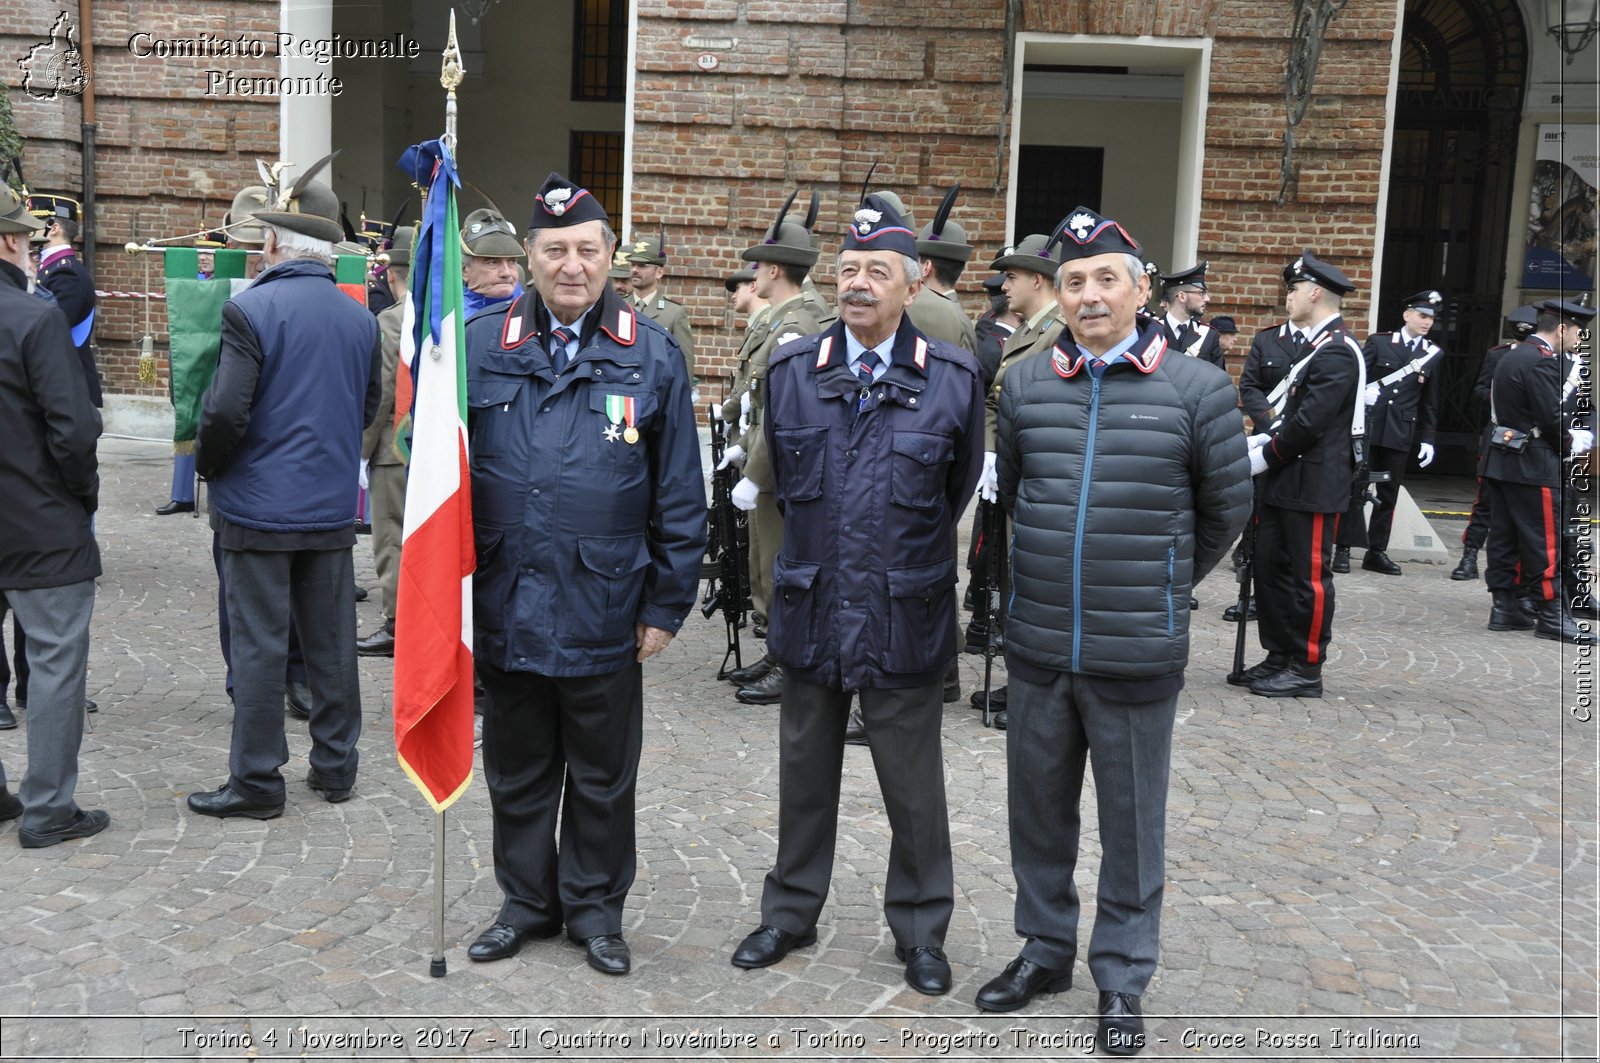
[1124, 469]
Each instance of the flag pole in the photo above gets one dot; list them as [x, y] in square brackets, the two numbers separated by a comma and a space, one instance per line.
[451, 75]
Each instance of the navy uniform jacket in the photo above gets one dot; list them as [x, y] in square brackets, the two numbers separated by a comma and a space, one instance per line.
[1195, 340]
[70, 283]
[1527, 397]
[1272, 352]
[1309, 465]
[863, 589]
[1407, 411]
[580, 534]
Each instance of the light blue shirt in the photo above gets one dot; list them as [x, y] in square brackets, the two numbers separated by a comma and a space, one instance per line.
[1114, 353]
[854, 349]
[571, 350]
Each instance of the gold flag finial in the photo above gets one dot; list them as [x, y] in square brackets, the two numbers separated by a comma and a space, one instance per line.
[451, 74]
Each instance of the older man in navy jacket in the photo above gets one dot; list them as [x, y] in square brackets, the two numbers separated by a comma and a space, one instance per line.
[876, 437]
[588, 512]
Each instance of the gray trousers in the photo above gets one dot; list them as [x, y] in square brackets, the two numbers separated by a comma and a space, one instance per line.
[57, 622]
[318, 588]
[903, 730]
[388, 494]
[1052, 728]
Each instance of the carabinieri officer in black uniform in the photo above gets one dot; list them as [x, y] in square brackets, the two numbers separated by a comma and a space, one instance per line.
[588, 513]
[1402, 399]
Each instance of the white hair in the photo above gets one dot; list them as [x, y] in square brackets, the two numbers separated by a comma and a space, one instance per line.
[1130, 263]
[298, 245]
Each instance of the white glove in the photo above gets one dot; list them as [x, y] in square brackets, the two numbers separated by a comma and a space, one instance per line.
[744, 494]
[1425, 455]
[1258, 461]
[1372, 393]
[744, 403]
[989, 482]
[1582, 440]
[734, 455]
[362, 478]
[1260, 440]
[716, 412]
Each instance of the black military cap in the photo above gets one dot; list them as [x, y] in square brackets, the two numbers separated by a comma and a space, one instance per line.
[1223, 324]
[994, 283]
[1523, 320]
[877, 226]
[1085, 234]
[943, 238]
[738, 277]
[1425, 302]
[561, 203]
[1309, 267]
[1567, 309]
[786, 242]
[1034, 254]
[1193, 277]
[307, 207]
[211, 240]
[50, 208]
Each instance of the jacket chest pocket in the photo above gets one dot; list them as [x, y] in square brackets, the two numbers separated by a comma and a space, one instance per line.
[610, 433]
[494, 406]
[799, 462]
[921, 466]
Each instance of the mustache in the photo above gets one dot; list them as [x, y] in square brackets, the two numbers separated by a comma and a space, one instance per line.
[1093, 312]
[860, 299]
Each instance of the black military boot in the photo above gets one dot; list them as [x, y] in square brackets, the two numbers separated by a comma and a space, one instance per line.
[768, 690]
[1468, 568]
[1377, 561]
[1295, 681]
[1274, 664]
[1341, 559]
[1507, 614]
[1556, 623]
[752, 673]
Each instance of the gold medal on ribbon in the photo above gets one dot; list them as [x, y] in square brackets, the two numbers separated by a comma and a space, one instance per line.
[630, 435]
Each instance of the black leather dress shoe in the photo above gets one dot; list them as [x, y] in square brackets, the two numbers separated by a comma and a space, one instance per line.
[90, 705]
[1270, 666]
[1289, 683]
[998, 720]
[1231, 614]
[997, 699]
[332, 795]
[8, 719]
[927, 971]
[952, 687]
[768, 690]
[1120, 1031]
[10, 806]
[1378, 561]
[378, 644]
[360, 593]
[500, 942]
[608, 954]
[1020, 982]
[1194, 603]
[174, 507]
[855, 731]
[751, 673]
[297, 698]
[223, 802]
[1341, 559]
[81, 825]
[767, 945]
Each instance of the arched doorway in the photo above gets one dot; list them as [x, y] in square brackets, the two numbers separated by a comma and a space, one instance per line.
[1459, 101]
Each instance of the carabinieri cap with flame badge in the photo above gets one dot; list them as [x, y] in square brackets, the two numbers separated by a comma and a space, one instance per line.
[561, 203]
[877, 226]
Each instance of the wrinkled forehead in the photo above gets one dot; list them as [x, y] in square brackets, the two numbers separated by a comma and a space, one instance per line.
[590, 233]
[864, 260]
[1096, 265]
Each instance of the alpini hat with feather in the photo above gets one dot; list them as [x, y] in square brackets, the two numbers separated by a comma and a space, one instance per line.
[307, 207]
[787, 242]
[943, 238]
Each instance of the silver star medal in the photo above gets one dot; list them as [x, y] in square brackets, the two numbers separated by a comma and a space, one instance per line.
[612, 433]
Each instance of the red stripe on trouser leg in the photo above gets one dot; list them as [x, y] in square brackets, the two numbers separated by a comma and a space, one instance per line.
[1313, 637]
[1547, 513]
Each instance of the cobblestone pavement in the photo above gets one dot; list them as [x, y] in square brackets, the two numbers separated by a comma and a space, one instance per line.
[1404, 869]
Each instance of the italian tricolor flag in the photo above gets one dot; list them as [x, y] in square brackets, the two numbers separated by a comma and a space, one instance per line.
[433, 628]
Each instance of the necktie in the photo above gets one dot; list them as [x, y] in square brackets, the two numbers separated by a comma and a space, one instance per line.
[865, 369]
[560, 336]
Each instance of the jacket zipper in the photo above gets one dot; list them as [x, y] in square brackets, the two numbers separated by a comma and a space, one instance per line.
[1171, 572]
[1083, 511]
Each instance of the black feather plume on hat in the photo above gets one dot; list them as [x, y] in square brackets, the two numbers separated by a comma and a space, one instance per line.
[943, 213]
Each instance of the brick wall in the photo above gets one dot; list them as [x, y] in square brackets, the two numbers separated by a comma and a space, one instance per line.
[169, 158]
[813, 103]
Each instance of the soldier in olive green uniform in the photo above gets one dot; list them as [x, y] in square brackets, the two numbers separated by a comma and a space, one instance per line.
[1030, 272]
[936, 311]
[648, 262]
[782, 261]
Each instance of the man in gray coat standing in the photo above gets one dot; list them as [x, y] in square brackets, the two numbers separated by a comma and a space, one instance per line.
[50, 481]
[1123, 466]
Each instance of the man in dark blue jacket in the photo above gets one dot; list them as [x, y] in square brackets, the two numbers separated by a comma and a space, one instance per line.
[588, 512]
[876, 439]
[48, 558]
[64, 275]
[1122, 464]
[280, 441]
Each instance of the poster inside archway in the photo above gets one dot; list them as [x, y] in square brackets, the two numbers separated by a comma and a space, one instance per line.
[1562, 212]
